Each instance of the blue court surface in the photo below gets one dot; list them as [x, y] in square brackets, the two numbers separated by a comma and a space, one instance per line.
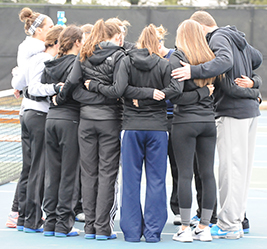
[256, 213]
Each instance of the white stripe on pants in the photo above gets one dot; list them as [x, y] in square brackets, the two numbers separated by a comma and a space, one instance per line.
[235, 144]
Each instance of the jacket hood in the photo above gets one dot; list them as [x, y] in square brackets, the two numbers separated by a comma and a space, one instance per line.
[56, 68]
[142, 60]
[235, 35]
[100, 54]
[29, 47]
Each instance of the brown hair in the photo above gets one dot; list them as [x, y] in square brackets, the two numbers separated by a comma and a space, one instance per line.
[87, 28]
[101, 32]
[52, 36]
[191, 40]
[203, 18]
[28, 16]
[149, 39]
[67, 38]
[123, 23]
[161, 32]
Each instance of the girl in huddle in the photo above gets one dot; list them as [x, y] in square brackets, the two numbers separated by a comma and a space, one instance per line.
[194, 131]
[31, 183]
[144, 137]
[99, 129]
[33, 44]
[61, 135]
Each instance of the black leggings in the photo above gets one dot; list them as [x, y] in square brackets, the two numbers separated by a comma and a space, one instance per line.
[188, 138]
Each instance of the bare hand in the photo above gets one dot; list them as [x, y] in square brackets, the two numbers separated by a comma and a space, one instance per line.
[16, 93]
[211, 88]
[135, 102]
[54, 99]
[182, 73]
[244, 82]
[87, 83]
[158, 95]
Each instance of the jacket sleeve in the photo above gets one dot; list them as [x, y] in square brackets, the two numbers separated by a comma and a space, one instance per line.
[83, 96]
[192, 97]
[18, 81]
[257, 80]
[231, 89]
[120, 87]
[256, 57]
[174, 88]
[35, 87]
[73, 80]
[223, 61]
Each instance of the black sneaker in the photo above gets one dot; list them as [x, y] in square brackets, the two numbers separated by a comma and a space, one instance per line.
[245, 225]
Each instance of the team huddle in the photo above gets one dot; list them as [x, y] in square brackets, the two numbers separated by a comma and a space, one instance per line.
[93, 101]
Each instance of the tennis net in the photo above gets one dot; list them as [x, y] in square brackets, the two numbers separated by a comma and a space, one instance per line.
[10, 138]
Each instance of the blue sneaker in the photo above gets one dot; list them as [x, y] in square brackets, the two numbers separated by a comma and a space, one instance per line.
[20, 228]
[29, 230]
[48, 233]
[104, 237]
[218, 233]
[73, 232]
[89, 236]
[246, 230]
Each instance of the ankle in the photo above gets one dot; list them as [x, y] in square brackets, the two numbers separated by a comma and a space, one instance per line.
[200, 226]
[184, 227]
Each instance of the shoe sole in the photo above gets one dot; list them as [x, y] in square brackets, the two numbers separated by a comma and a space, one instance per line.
[89, 236]
[49, 233]
[202, 239]
[11, 225]
[177, 223]
[104, 237]
[63, 235]
[225, 237]
[29, 230]
[20, 228]
[181, 240]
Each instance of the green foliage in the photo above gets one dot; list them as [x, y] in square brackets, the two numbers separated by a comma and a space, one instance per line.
[259, 2]
[169, 2]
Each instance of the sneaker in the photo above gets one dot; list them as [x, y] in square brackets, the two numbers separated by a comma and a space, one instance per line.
[80, 217]
[218, 233]
[20, 228]
[177, 220]
[29, 230]
[202, 234]
[12, 220]
[245, 225]
[194, 221]
[104, 237]
[89, 236]
[74, 232]
[48, 233]
[183, 235]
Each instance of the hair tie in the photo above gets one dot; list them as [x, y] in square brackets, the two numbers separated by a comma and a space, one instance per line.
[36, 24]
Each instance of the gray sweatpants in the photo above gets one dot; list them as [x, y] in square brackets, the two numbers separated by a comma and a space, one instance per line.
[235, 144]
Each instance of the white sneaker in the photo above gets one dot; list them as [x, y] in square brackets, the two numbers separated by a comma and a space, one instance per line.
[183, 235]
[202, 234]
[80, 217]
[177, 220]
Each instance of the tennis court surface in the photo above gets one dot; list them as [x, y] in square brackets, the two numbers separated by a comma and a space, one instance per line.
[256, 213]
